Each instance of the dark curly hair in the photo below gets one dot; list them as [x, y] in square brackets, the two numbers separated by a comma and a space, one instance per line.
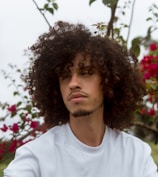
[121, 81]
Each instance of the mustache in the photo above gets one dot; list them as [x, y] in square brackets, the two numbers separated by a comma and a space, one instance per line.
[75, 94]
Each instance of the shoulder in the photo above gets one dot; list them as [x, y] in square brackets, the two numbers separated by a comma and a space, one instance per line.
[131, 152]
[46, 141]
[30, 159]
[128, 142]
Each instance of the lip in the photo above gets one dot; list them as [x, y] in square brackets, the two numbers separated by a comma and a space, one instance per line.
[76, 97]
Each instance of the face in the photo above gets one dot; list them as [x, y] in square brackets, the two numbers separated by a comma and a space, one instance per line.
[81, 88]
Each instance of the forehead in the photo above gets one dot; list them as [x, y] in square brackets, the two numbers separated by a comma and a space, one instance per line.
[80, 61]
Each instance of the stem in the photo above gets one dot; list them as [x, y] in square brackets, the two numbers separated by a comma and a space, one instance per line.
[111, 21]
[41, 13]
[131, 20]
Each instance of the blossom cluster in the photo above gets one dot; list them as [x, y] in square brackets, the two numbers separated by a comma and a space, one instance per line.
[21, 132]
[149, 68]
[149, 63]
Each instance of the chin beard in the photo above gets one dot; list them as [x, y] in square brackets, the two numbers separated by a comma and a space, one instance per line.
[81, 113]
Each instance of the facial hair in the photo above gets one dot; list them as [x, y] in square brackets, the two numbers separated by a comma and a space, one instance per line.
[84, 113]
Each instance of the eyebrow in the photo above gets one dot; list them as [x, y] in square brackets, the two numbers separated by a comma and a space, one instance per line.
[85, 65]
[89, 68]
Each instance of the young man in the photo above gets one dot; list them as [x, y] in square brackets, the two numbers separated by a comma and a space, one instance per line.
[87, 88]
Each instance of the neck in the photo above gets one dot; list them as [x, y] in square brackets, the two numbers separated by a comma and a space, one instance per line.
[88, 129]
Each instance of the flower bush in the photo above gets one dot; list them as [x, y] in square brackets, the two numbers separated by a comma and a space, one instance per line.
[148, 115]
[21, 121]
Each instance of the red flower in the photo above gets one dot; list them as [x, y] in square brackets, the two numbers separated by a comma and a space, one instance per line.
[143, 111]
[147, 59]
[12, 108]
[150, 99]
[153, 46]
[13, 146]
[1, 153]
[149, 69]
[151, 112]
[34, 124]
[4, 128]
[14, 128]
[147, 75]
[2, 149]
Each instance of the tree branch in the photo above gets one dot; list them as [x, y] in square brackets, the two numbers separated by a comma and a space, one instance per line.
[41, 13]
[131, 20]
[140, 124]
[111, 21]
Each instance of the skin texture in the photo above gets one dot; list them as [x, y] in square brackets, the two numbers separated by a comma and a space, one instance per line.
[81, 90]
[82, 93]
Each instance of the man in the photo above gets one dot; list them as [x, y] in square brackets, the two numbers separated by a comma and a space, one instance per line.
[87, 88]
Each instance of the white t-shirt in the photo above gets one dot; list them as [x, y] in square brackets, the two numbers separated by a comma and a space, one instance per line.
[58, 153]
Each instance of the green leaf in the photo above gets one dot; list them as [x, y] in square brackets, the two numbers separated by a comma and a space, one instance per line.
[109, 3]
[136, 42]
[19, 103]
[18, 70]
[55, 6]
[123, 13]
[50, 10]
[13, 114]
[91, 1]
[125, 25]
[155, 6]
[16, 93]
[136, 51]
[135, 48]
[46, 6]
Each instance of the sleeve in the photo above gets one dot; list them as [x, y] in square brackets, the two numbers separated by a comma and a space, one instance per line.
[24, 164]
[150, 169]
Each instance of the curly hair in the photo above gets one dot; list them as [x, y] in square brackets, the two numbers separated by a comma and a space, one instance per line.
[122, 85]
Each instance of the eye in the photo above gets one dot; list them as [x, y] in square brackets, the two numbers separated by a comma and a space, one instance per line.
[84, 72]
[65, 75]
[87, 72]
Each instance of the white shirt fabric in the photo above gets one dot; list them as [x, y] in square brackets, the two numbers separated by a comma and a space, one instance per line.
[58, 153]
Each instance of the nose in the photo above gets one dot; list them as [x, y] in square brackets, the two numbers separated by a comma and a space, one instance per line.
[75, 82]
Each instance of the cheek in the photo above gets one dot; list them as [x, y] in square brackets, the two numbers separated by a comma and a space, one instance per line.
[63, 91]
[100, 91]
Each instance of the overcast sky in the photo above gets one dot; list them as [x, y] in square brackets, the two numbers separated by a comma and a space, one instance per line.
[21, 24]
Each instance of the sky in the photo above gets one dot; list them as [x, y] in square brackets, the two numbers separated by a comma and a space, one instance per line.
[21, 24]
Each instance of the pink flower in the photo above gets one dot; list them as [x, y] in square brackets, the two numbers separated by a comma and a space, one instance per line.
[153, 46]
[4, 128]
[12, 108]
[34, 124]
[14, 128]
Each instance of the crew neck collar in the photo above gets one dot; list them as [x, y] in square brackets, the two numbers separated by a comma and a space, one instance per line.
[78, 144]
